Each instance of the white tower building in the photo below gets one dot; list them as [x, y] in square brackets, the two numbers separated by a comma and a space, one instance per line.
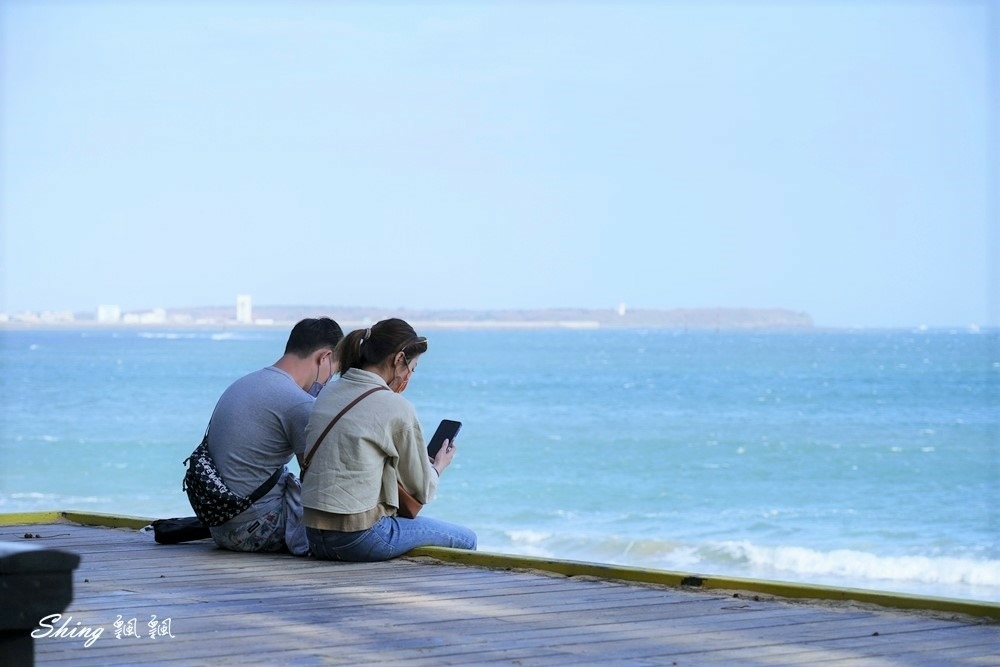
[244, 311]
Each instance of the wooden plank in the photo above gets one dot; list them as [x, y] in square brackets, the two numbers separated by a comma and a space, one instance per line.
[990, 610]
[935, 646]
[230, 608]
[783, 589]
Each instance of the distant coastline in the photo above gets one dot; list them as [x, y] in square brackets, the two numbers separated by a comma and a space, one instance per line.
[352, 316]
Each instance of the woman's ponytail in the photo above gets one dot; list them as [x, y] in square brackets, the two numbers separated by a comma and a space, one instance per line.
[372, 346]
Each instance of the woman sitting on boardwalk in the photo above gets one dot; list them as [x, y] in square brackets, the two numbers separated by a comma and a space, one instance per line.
[350, 495]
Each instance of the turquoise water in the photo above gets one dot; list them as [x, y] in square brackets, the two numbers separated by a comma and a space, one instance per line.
[862, 459]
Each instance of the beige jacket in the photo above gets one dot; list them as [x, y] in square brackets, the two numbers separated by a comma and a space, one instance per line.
[351, 480]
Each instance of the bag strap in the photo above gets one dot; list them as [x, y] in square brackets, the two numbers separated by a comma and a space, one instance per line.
[266, 486]
[319, 441]
[259, 492]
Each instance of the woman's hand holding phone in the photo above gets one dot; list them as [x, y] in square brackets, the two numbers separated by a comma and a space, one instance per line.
[444, 456]
[441, 448]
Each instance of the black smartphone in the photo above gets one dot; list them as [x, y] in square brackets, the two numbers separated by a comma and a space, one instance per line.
[446, 430]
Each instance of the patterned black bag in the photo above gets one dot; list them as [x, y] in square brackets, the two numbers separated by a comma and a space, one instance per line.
[213, 501]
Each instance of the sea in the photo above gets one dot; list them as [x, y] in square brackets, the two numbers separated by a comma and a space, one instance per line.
[857, 458]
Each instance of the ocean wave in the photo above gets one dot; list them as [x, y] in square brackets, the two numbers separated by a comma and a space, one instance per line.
[949, 575]
[614, 549]
[33, 495]
[528, 537]
[169, 335]
[849, 563]
[36, 501]
[197, 335]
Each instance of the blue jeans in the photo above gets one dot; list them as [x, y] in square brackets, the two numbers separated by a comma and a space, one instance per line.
[389, 538]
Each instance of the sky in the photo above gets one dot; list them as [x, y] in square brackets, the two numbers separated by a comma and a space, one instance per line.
[833, 158]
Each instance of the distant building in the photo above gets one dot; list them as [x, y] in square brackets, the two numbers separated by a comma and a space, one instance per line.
[109, 314]
[155, 316]
[621, 309]
[244, 310]
[51, 316]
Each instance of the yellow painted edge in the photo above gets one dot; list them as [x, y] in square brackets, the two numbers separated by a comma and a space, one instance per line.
[106, 520]
[81, 518]
[17, 518]
[569, 568]
[990, 610]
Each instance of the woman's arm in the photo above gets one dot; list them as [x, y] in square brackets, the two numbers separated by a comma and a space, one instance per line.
[413, 467]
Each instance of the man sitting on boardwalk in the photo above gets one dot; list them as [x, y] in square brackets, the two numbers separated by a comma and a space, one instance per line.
[258, 425]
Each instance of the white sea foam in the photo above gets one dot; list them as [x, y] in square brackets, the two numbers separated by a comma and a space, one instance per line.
[528, 536]
[34, 501]
[852, 564]
[79, 501]
[33, 495]
[171, 335]
[524, 543]
[976, 578]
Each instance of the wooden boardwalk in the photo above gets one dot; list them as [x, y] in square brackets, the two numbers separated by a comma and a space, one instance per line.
[208, 606]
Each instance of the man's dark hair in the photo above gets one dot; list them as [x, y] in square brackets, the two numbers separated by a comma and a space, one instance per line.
[312, 334]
